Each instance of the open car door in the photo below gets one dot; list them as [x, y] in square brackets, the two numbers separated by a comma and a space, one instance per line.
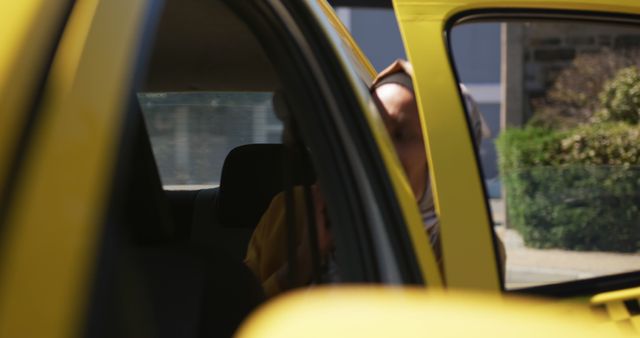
[560, 116]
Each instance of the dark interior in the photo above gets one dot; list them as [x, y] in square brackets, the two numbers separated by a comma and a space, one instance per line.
[181, 273]
[203, 45]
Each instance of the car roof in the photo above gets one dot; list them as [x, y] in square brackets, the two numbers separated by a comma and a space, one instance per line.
[203, 45]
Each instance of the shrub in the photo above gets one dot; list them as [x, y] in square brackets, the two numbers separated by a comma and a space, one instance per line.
[573, 98]
[620, 98]
[576, 189]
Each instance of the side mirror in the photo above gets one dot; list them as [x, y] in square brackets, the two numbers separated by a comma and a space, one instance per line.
[378, 311]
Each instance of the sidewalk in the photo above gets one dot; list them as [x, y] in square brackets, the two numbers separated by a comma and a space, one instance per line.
[528, 266]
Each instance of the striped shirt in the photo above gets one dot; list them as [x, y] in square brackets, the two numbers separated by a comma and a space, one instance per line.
[430, 220]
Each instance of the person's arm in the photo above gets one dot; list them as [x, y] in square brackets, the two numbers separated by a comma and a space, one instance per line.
[256, 250]
[272, 229]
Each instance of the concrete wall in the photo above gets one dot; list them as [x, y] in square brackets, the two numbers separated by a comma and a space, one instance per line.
[377, 33]
[477, 59]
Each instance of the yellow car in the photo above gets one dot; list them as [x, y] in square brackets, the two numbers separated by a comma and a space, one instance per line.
[142, 140]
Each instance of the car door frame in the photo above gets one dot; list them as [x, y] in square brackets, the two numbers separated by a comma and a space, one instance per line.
[53, 226]
[386, 249]
[469, 246]
[30, 35]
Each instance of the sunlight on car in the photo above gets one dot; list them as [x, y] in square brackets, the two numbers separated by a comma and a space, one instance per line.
[564, 148]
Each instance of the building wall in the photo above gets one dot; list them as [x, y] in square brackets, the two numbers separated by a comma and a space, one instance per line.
[376, 32]
[477, 59]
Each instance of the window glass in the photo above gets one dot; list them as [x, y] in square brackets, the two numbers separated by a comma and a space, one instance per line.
[192, 132]
[560, 106]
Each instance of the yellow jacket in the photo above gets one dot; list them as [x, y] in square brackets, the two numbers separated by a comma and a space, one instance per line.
[267, 250]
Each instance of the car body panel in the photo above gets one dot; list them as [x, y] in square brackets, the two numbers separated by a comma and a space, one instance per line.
[346, 47]
[616, 304]
[467, 243]
[442, 11]
[414, 312]
[424, 252]
[467, 239]
[80, 118]
[364, 67]
[28, 31]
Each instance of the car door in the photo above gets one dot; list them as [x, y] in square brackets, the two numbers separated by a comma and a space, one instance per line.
[67, 264]
[30, 33]
[413, 228]
[52, 225]
[558, 70]
[467, 240]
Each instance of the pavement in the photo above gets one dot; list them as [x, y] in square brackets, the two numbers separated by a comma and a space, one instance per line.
[529, 266]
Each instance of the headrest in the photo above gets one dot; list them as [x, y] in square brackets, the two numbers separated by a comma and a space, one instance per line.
[251, 176]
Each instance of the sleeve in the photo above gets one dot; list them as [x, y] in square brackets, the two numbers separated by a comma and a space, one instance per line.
[271, 285]
[252, 258]
[258, 258]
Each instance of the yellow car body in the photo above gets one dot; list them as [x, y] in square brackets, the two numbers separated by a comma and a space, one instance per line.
[66, 75]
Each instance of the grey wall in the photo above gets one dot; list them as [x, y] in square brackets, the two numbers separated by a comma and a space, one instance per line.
[377, 33]
[476, 50]
[476, 54]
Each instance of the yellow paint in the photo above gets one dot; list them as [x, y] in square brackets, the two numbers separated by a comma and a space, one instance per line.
[58, 210]
[614, 303]
[366, 311]
[365, 69]
[27, 30]
[437, 10]
[423, 251]
[466, 234]
[635, 323]
[49, 243]
[613, 296]
[617, 311]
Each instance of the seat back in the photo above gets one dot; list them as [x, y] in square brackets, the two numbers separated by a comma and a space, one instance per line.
[152, 280]
[251, 176]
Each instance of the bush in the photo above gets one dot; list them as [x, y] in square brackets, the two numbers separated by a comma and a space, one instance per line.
[574, 97]
[576, 189]
[620, 98]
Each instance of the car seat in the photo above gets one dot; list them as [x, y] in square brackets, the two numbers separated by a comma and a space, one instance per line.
[153, 282]
[252, 175]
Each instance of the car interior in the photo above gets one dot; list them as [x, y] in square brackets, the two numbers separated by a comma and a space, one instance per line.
[211, 139]
[180, 271]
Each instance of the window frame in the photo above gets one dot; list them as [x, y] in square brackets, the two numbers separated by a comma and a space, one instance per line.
[64, 232]
[574, 288]
[378, 256]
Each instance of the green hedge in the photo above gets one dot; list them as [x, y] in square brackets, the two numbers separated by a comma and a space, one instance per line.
[575, 189]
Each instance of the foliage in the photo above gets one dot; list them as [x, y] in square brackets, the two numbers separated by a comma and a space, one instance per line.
[620, 98]
[574, 96]
[572, 175]
[576, 189]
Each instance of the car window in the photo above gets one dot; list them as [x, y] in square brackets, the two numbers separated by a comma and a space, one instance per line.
[192, 132]
[557, 106]
[227, 164]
